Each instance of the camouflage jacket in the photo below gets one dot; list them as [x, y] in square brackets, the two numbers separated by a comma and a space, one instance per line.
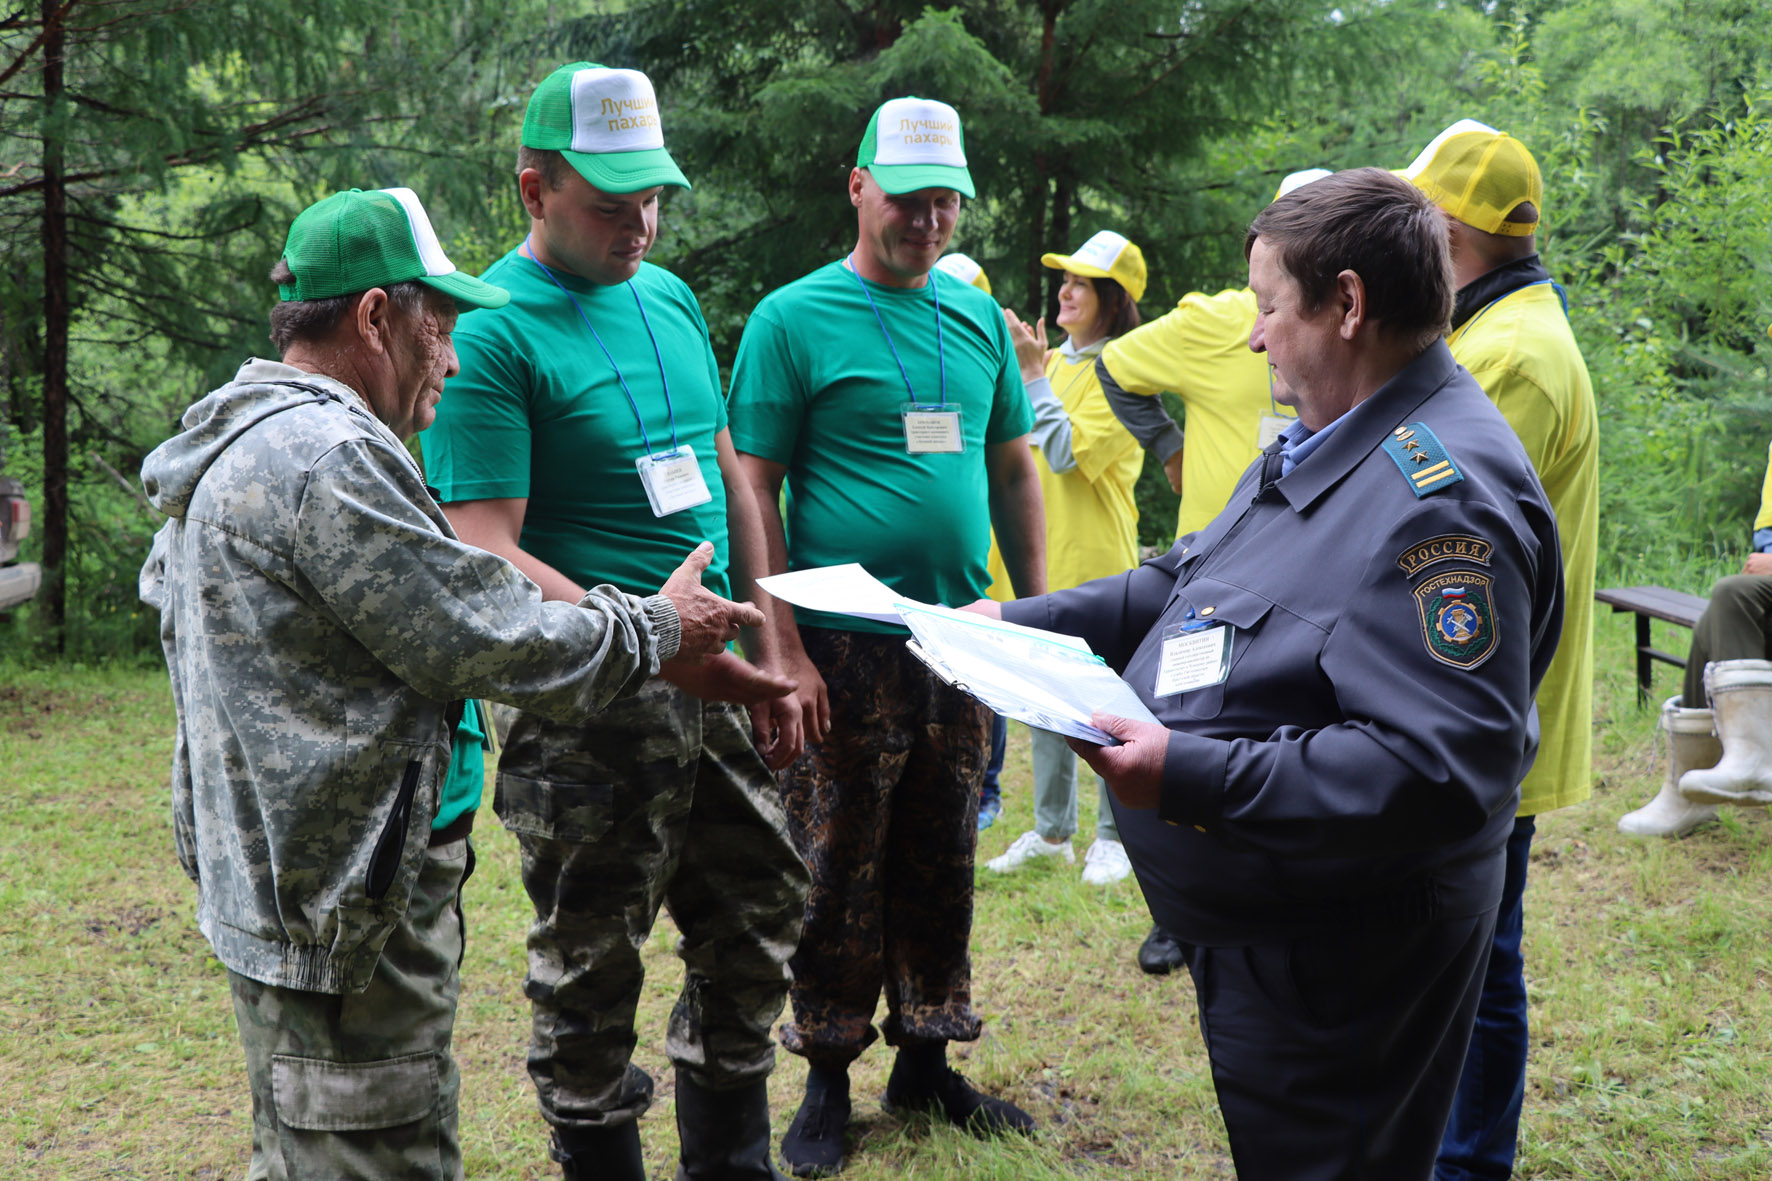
[318, 616]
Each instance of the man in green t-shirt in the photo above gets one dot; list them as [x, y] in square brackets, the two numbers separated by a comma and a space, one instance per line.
[889, 399]
[586, 441]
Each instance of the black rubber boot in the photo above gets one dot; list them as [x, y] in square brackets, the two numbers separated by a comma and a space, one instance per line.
[813, 1145]
[725, 1134]
[1160, 953]
[599, 1154]
[609, 1153]
[922, 1080]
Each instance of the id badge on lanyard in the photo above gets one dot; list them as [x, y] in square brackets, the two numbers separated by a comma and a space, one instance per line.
[673, 481]
[1271, 426]
[932, 428]
[1195, 654]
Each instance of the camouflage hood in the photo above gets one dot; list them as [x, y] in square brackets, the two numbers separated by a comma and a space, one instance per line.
[172, 471]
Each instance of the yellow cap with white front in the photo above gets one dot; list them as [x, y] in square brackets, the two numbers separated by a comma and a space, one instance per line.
[964, 269]
[1480, 176]
[1107, 255]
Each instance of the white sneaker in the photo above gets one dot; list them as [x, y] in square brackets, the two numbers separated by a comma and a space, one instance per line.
[1105, 863]
[1028, 846]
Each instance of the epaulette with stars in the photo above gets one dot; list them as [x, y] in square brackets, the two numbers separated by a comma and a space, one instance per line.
[1422, 459]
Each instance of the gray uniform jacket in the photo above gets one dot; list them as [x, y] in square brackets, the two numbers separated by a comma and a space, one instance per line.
[1361, 760]
[318, 615]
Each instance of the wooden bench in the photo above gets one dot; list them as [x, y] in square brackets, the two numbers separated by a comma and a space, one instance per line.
[1653, 602]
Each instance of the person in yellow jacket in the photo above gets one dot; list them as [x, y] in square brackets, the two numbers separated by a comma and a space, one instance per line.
[1199, 351]
[990, 794]
[1510, 330]
[1088, 465]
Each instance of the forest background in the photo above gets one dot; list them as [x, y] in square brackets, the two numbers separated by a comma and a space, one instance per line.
[153, 152]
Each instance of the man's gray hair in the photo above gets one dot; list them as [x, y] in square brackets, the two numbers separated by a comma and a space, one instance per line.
[309, 321]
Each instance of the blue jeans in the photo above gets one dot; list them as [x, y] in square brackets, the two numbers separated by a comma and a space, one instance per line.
[1484, 1128]
[993, 770]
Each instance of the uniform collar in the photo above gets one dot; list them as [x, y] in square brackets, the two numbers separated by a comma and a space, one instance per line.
[1367, 425]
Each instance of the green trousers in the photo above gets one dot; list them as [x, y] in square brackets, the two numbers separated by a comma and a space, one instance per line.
[363, 1084]
[1736, 626]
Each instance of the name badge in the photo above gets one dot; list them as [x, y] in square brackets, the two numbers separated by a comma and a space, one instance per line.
[1271, 426]
[1195, 654]
[673, 481]
[932, 429]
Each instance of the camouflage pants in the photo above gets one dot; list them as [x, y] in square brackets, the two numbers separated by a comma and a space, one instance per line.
[363, 1084]
[885, 811]
[659, 799]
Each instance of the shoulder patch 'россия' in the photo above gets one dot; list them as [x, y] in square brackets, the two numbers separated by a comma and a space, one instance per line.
[1448, 547]
[1422, 459]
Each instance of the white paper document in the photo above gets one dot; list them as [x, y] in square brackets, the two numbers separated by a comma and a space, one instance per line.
[1045, 679]
[836, 590]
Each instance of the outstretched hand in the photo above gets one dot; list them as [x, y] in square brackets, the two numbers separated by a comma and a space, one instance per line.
[709, 622]
[1030, 344]
[1132, 770]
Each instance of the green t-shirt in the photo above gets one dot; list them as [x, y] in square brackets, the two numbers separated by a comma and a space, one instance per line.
[537, 412]
[465, 780]
[816, 388]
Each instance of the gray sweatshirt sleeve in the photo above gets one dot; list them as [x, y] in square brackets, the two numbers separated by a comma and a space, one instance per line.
[1144, 418]
[1052, 426]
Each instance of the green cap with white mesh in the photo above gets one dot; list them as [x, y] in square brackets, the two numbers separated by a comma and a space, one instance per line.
[605, 122]
[356, 240]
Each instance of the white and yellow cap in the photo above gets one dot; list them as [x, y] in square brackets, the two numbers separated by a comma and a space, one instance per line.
[1479, 176]
[961, 267]
[1297, 180]
[915, 143]
[1106, 255]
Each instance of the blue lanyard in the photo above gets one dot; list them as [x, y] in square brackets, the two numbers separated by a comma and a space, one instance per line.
[529, 253]
[1271, 404]
[941, 357]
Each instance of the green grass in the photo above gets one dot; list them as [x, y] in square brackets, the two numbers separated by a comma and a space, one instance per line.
[1649, 968]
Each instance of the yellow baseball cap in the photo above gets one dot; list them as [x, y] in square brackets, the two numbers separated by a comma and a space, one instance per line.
[1107, 255]
[962, 267]
[1479, 176]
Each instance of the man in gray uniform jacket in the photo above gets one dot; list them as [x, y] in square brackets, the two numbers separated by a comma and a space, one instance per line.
[322, 625]
[1343, 663]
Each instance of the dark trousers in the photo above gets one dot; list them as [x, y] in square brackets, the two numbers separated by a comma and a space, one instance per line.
[1335, 1056]
[659, 800]
[1736, 626]
[1484, 1129]
[885, 812]
[993, 769]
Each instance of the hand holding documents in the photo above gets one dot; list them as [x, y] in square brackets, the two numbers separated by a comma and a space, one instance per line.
[1045, 679]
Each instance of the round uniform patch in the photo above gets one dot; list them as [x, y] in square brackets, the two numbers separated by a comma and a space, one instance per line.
[1457, 618]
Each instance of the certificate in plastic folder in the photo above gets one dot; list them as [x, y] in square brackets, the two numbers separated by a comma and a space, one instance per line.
[1046, 679]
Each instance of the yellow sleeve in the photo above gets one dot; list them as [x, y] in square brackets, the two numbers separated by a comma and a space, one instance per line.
[1165, 354]
[1765, 517]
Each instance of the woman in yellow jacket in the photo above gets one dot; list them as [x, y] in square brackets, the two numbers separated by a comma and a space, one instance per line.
[1088, 464]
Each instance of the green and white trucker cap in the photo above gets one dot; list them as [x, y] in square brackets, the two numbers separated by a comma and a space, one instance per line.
[356, 240]
[915, 143]
[605, 122]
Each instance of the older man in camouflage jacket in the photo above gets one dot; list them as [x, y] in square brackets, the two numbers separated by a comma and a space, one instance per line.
[322, 625]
